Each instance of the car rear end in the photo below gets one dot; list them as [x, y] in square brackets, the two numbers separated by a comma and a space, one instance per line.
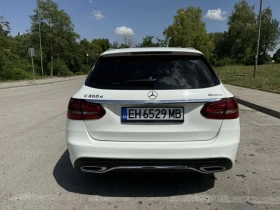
[155, 108]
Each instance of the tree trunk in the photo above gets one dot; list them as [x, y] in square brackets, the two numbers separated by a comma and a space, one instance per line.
[58, 61]
[51, 60]
[58, 55]
[265, 46]
[50, 27]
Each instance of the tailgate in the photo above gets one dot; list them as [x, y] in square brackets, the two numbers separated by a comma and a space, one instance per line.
[194, 126]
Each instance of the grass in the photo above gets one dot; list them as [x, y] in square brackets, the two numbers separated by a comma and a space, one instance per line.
[266, 77]
[38, 77]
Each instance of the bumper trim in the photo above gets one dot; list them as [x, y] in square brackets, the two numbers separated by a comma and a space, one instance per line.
[100, 101]
[205, 166]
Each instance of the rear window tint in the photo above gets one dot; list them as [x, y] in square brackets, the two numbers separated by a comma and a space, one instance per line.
[171, 72]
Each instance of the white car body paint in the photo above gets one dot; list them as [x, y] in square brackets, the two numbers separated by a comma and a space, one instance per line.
[195, 138]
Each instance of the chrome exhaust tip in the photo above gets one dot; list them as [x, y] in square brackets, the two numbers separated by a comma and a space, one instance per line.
[212, 169]
[93, 169]
[102, 169]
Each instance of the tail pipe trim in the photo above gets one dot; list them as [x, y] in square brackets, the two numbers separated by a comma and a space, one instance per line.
[102, 169]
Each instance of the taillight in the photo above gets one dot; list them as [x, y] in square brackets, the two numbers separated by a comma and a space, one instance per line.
[226, 108]
[80, 109]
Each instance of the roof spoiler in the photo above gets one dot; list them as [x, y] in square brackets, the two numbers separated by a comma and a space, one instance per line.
[152, 53]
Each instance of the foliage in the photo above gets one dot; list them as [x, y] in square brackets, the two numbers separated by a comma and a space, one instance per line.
[57, 28]
[221, 43]
[147, 42]
[12, 67]
[242, 30]
[162, 42]
[93, 49]
[222, 62]
[4, 26]
[65, 54]
[264, 58]
[115, 45]
[60, 68]
[270, 32]
[276, 54]
[242, 33]
[188, 30]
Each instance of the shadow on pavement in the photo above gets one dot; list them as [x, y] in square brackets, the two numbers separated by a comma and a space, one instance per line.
[128, 184]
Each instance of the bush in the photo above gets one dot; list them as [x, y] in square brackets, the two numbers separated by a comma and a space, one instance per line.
[261, 60]
[80, 73]
[229, 61]
[223, 62]
[249, 61]
[60, 69]
[14, 73]
[12, 67]
[85, 68]
[220, 63]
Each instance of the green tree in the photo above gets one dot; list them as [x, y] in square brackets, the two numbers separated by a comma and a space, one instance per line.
[242, 30]
[115, 45]
[270, 32]
[99, 46]
[86, 51]
[162, 42]
[221, 53]
[61, 50]
[57, 32]
[242, 33]
[79, 60]
[21, 43]
[188, 30]
[276, 56]
[13, 65]
[122, 45]
[5, 28]
[220, 40]
[147, 42]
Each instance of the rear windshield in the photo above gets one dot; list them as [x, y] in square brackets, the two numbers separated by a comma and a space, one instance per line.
[167, 72]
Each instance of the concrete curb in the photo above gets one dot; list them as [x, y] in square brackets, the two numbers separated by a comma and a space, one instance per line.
[241, 101]
[269, 91]
[259, 108]
[46, 83]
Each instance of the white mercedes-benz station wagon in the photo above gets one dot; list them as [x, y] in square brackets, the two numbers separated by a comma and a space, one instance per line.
[153, 108]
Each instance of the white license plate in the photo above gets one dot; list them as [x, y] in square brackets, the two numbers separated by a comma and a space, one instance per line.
[152, 114]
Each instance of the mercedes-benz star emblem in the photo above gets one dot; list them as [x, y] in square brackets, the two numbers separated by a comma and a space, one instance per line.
[152, 95]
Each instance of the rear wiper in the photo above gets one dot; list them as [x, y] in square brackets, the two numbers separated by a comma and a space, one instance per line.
[139, 82]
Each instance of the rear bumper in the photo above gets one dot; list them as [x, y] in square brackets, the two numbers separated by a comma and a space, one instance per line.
[220, 150]
[102, 165]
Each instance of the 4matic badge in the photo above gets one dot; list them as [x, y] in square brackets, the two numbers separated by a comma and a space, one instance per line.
[210, 94]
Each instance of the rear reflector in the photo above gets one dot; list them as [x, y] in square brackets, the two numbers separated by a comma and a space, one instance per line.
[226, 108]
[80, 109]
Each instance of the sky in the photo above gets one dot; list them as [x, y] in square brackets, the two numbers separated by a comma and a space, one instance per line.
[111, 18]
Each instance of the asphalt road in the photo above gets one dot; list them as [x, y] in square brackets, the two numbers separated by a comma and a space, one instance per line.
[35, 171]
